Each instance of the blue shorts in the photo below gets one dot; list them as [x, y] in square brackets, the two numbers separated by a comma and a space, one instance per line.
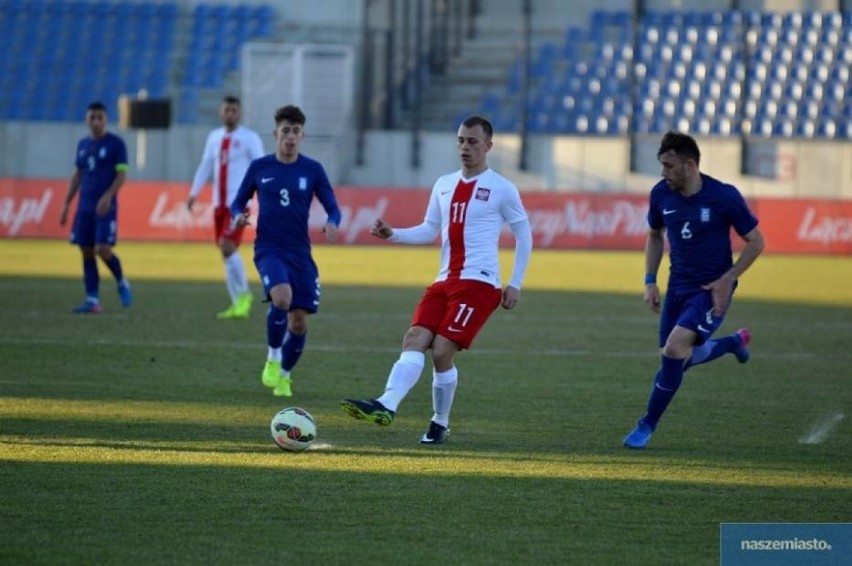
[90, 229]
[301, 274]
[692, 309]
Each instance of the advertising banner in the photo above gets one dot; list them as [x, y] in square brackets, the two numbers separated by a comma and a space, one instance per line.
[156, 211]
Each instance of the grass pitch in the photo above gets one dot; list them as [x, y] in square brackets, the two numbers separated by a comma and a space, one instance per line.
[141, 436]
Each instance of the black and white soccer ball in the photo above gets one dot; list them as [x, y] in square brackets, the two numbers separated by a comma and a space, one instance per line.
[293, 429]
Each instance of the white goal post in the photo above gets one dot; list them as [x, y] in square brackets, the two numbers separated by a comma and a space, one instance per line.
[319, 79]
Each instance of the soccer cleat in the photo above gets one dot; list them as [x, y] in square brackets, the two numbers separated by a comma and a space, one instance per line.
[87, 307]
[242, 306]
[368, 410]
[639, 436]
[124, 294]
[271, 373]
[743, 353]
[283, 387]
[436, 434]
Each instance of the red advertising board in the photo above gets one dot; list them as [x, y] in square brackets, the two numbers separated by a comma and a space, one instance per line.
[29, 208]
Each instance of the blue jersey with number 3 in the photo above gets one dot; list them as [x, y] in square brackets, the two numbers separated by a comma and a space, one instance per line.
[699, 229]
[284, 195]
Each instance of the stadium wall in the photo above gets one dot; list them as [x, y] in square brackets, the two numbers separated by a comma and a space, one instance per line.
[779, 168]
[596, 221]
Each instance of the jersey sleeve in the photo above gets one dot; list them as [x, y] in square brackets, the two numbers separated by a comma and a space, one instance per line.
[655, 217]
[511, 208]
[740, 215]
[325, 194]
[245, 192]
[204, 170]
[120, 155]
[79, 160]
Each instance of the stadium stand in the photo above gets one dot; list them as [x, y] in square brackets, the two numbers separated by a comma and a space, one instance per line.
[63, 54]
[708, 73]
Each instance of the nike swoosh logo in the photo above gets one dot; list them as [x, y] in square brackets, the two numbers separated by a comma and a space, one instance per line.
[276, 323]
[666, 212]
[451, 329]
[266, 179]
[702, 329]
[446, 192]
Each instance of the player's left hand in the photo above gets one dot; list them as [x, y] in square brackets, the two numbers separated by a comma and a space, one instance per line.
[510, 297]
[240, 220]
[330, 232]
[102, 208]
[721, 290]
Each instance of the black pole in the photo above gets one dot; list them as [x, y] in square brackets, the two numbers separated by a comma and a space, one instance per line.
[525, 84]
[459, 27]
[638, 14]
[366, 84]
[390, 56]
[406, 54]
[418, 83]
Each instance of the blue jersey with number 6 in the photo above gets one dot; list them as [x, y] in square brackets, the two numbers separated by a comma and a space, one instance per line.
[284, 195]
[699, 229]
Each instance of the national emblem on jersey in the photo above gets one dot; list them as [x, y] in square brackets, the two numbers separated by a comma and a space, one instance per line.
[303, 183]
[483, 194]
[102, 153]
[705, 214]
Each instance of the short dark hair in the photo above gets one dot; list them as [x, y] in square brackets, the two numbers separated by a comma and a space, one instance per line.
[231, 99]
[682, 145]
[479, 121]
[290, 113]
[96, 105]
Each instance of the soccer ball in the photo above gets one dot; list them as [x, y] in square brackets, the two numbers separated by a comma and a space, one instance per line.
[293, 429]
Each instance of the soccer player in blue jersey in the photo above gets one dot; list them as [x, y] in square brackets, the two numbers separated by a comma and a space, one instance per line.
[286, 182]
[697, 213]
[101, 169]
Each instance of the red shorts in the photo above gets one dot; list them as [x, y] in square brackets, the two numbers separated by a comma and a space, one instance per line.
[222, 226]
[457, 309]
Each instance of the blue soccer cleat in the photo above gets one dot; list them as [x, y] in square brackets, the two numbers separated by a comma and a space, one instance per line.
[639, 436]
[743, 353]
[124, 294]
[87, 307]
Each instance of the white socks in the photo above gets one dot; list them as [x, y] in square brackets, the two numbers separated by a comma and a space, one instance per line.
[235, 276]
[403, 376]
[443, 390]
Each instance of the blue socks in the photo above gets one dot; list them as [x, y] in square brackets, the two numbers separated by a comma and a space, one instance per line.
[276, 326]
[712, 349]
[91, 279]
[115, 267]
[291, 351]
[666, 384]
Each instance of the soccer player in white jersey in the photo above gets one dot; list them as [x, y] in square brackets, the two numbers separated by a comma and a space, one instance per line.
[468, 209]
[228, 152]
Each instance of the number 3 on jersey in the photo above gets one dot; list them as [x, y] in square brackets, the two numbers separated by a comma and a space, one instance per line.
[285, 197]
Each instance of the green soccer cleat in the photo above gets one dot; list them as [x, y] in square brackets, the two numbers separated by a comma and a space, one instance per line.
[283, 388]
[242, 306]
[271, 374]
[227, 314]
[368, 410]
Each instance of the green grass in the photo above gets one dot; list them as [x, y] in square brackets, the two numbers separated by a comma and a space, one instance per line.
[141, 436]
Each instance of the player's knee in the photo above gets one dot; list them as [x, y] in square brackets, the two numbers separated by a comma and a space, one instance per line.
[104, 251]
[676, 350]
[298, 324]
[417, 338]
[280, 302]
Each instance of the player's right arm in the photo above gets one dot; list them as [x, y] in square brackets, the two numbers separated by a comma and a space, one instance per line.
[654, 247]
[203, 172]
[421, 234]
[73, 187]
[239, 216]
